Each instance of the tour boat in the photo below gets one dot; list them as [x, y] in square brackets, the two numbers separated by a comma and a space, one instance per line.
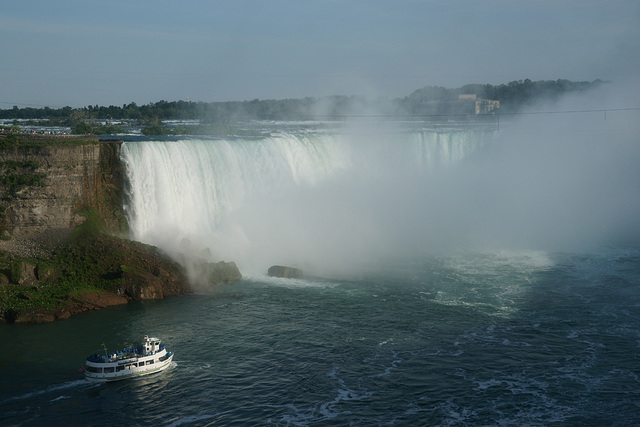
[148, 358]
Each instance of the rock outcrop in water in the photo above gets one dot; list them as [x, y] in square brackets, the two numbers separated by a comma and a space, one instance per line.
[214, 273]
[285, 272]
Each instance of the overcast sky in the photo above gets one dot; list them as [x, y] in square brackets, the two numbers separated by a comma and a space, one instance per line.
[78, 53]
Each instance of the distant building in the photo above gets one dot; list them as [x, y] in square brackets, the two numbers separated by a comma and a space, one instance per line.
[486, 106]
[483, 106]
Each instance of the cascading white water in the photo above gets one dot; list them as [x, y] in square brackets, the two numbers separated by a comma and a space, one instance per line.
[314, 200]
[190, 185]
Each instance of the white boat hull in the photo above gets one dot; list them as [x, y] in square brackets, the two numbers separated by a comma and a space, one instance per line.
[128, 372]
[148, 359]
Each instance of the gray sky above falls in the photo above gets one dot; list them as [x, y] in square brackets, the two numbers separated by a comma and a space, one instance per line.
[78, 53]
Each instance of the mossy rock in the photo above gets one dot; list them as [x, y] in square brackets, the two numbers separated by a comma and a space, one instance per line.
[46, 272]
[214, 273]
[285, 272]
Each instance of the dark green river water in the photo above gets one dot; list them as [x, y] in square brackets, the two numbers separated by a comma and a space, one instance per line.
[491, 338]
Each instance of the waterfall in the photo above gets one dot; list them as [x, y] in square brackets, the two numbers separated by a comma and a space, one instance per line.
[305, 199]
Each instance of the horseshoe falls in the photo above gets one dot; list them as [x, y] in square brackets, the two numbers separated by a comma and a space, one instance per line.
[318, 201]
[455, 276]
[331, 202]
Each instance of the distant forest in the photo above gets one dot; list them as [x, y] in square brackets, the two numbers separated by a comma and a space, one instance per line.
[425, 102]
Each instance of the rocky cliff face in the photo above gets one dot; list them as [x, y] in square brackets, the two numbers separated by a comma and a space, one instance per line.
[61, 203]
[42, 188]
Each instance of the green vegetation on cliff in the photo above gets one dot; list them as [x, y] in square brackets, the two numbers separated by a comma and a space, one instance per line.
[13, 140]
[14, 176]
[16, 181]
[91, 270]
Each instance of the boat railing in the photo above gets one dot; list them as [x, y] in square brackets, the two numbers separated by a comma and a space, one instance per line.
[124, 355]
[96, 358]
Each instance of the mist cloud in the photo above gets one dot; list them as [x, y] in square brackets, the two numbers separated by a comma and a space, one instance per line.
[565, 180]
[328, 203]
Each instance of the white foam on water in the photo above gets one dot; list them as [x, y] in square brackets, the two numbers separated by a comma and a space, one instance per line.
[292, 283]
[54, 389]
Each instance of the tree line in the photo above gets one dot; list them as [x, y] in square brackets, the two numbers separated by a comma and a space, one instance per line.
[513, 96]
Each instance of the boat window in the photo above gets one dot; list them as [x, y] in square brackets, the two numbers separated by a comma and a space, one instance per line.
[119, 368]
[149, 362]
[141, 364]
[93, 369]
[107, 370]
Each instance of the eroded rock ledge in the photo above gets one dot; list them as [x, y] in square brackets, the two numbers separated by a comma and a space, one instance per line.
[88, 273]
